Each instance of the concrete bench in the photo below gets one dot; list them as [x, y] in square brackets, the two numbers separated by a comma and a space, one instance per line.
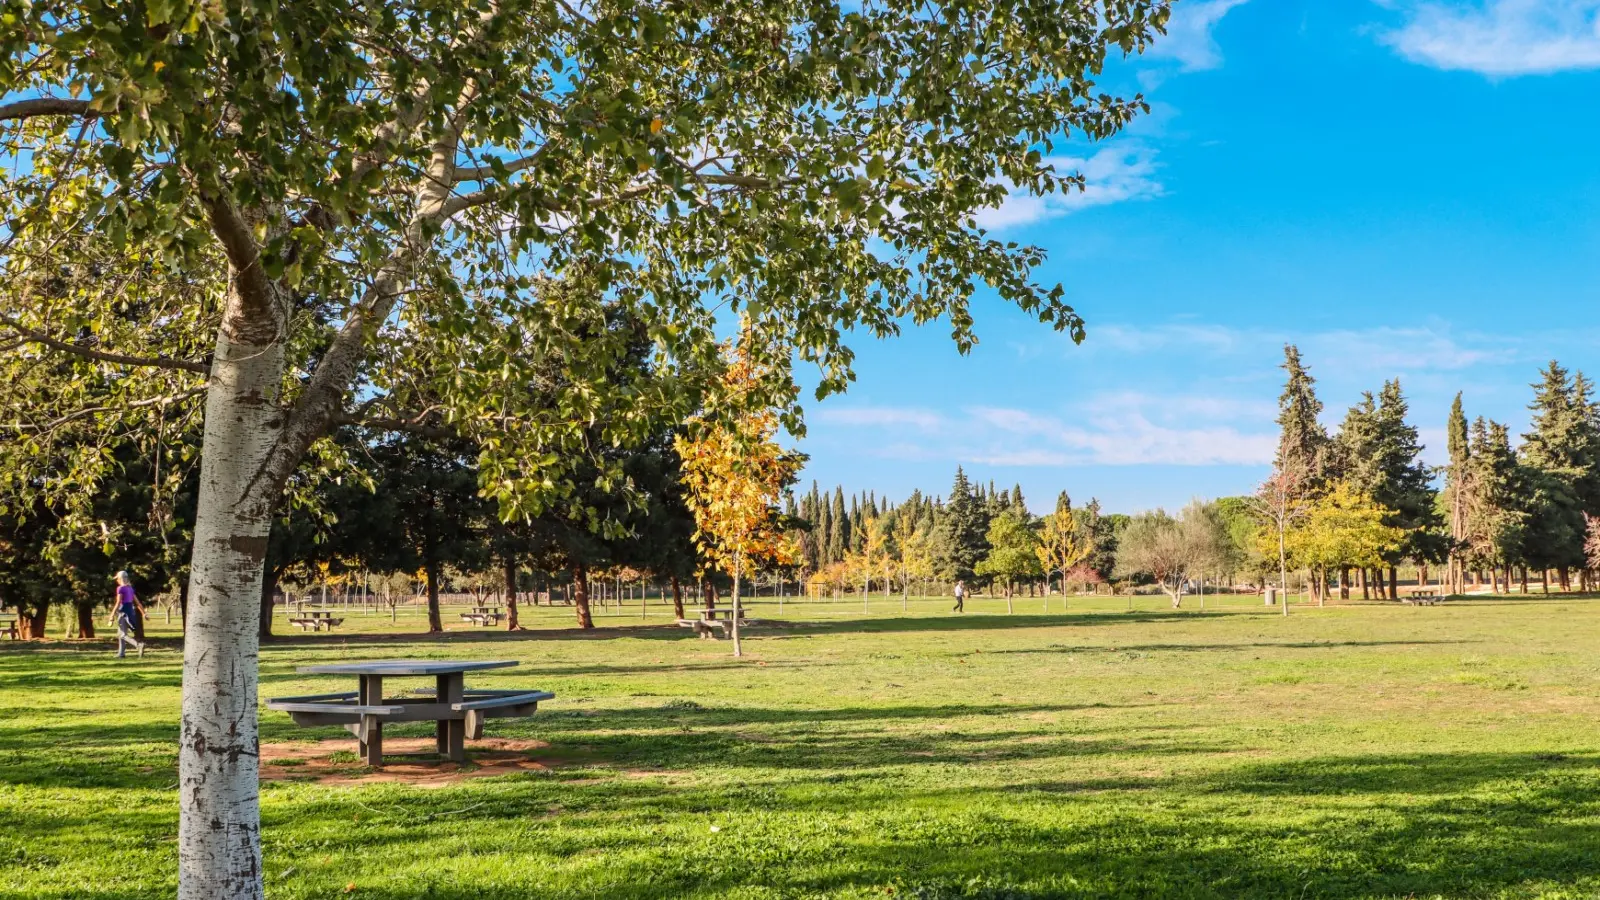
[478, 618]
[1422, 600]
[316, 623]
[458, 712]
[711, 628]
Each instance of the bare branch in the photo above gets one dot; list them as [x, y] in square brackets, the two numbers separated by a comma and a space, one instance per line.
[91, 411]
[31, 336]
[478, 173]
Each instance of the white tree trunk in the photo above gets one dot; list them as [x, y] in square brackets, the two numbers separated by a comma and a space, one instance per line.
[219, 825]
[738, 648]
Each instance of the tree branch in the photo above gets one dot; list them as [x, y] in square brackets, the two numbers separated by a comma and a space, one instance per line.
[46, 106]
[90, 411]
[31, 336]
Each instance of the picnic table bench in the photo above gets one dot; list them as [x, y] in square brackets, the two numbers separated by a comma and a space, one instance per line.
[315, 620]
[1422, 599]
[458, 713]
[483, 615]
[8, 627]
[709, 623]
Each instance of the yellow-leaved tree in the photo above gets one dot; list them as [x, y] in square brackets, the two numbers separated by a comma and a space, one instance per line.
[1063, 543]
[1343, 527]
[734, 473]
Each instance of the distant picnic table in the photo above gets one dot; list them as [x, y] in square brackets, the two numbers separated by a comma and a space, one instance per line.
[456, 711]
[483, 615]
[708, 623]
[1422, 599]
[315, 620]
[8, 627]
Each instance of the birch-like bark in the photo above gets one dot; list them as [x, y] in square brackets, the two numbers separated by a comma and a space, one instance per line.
[738, 648]
[219, 826]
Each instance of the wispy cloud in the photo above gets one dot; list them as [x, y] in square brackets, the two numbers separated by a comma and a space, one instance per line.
[1189, 38]
[1112, 175]
[1105, 431]
[1502, 37]
[1126, 437]
[881, 416]
[1385, 348]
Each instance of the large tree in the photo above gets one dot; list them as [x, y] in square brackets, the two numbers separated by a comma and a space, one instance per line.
[1013, 551]
[1562, 454]
[1303, 443]
[404, 171]
[1171, 550]
[959, 542]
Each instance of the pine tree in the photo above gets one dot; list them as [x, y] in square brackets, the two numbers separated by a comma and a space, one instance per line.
[1493, 510]
[1563, 453]
[960, 540]
[1303, 442]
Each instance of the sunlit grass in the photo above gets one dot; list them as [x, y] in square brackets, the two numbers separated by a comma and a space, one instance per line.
[1352, 751]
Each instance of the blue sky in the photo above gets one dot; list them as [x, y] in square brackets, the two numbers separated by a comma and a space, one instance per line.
[1403, 189]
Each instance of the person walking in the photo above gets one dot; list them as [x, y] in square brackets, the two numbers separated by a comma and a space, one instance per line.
[123, 610]
[961, 597]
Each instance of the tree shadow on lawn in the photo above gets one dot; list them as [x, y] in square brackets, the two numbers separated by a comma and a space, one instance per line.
[1343, 827]
[66, 754]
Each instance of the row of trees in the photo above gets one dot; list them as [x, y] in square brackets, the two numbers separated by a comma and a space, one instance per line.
[1360, 501]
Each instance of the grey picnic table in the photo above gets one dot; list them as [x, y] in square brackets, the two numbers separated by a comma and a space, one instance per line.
[457, 712]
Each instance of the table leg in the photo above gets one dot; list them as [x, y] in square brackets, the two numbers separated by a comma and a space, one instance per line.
[450, 735]
[371, 694]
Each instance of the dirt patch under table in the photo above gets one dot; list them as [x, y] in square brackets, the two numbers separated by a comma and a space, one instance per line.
[406, 761]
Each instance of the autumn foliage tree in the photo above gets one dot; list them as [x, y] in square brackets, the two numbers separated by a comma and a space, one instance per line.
[734, 473]
[1064, 541]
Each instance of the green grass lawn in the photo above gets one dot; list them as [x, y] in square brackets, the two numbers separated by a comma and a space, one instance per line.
[1354, 751]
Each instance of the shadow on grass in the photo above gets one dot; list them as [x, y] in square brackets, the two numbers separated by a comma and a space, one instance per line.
[1336, 827]
[64, 753]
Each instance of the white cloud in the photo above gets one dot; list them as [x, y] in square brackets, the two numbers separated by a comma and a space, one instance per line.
[1383, 349]
[1189, 39]
[885, 416]
[1109, 435]
[1111, 175]
[1502, 37]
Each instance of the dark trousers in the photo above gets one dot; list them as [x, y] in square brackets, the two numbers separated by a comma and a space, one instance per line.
[960, 606]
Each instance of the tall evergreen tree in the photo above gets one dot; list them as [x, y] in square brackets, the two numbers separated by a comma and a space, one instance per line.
[1407, 483]
[1493, 510]
[960, 541]
[1303, 442]
[1460, 454]
[839, 528]
[1563, 449]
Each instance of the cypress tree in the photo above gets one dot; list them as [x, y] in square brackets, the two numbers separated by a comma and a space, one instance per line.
[1460, 454]
[838, 528]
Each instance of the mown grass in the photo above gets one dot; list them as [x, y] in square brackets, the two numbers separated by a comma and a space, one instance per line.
[1355, 751]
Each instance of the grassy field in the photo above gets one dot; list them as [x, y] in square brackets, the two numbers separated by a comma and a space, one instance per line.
[1354, 751]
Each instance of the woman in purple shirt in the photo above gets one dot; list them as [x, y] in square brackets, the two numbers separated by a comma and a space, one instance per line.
[123, 610]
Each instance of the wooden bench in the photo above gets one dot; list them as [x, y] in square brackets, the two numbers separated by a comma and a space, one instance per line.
[458, 712]
[8, 627]
[1422, 600]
